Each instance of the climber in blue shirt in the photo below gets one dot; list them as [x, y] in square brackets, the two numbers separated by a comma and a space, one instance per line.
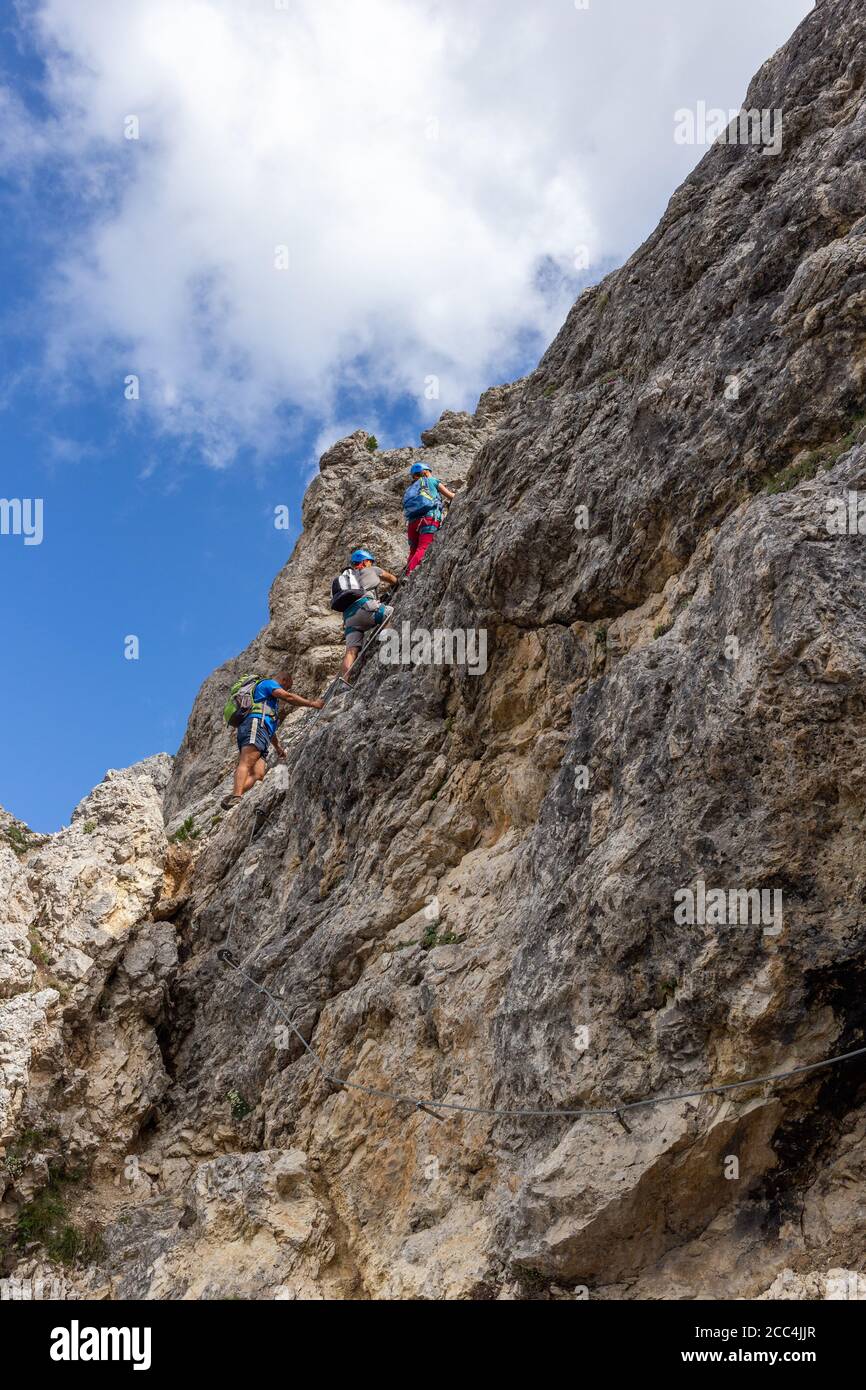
[422, 508]
[258, 731]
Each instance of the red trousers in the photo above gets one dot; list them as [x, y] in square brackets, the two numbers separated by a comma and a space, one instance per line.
[418, 543]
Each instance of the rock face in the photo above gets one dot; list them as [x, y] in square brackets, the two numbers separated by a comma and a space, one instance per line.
[81, 983]
[469, 886]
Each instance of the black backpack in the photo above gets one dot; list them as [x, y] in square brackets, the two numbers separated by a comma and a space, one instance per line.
[346, 590]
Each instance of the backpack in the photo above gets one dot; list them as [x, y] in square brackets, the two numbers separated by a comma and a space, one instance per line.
[345, 590]
[240, 700]
[420, 500]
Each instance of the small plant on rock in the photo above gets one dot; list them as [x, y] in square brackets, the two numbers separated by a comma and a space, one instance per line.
[46, 1221]
[238, 1106]
[431, 938]
[20, 841]
[795, 473]
[185, 832]
[821, 458]
[37, 949]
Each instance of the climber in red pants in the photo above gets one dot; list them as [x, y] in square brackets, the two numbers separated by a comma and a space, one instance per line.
[422, 507]
[420, 533]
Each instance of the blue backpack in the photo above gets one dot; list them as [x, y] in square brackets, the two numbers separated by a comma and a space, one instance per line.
[420, 499]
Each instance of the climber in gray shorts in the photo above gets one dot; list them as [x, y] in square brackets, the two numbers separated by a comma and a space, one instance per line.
[366, 612]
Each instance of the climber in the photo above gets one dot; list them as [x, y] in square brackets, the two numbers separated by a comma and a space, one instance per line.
[422, 508]
[353, 594]
[252, 709]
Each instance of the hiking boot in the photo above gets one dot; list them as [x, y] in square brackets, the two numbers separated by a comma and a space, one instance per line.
[229, 801]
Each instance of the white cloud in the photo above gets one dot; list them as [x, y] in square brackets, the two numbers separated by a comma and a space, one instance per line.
[421, 162]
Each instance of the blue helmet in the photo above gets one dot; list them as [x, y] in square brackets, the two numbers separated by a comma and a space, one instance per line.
[358, 555]
[418, 468]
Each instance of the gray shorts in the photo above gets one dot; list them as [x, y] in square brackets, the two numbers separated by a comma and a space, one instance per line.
[364, 621]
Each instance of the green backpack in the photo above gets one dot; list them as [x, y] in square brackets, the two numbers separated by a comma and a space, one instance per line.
[240, 701]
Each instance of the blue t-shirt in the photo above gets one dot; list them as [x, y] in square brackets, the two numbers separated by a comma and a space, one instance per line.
[262, 694]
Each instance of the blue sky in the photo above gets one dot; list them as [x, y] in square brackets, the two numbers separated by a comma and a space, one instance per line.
[434, 173]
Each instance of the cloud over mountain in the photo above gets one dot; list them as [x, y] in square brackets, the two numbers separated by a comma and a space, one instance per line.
[328, 202]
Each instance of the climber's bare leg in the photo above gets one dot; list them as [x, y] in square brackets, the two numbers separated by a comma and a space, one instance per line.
[244, 772]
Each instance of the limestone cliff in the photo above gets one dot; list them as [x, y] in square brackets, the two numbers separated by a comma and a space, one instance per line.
[463, 888]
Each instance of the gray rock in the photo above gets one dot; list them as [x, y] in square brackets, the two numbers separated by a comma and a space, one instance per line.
[464, 887]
